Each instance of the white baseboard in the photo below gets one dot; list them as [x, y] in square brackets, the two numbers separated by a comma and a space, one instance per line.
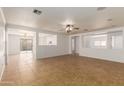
[51, 56]
[106, 59]
[2, 72]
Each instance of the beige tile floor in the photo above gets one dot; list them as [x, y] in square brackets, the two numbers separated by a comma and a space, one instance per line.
[63, 70]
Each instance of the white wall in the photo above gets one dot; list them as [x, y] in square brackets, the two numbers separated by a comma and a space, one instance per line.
[77, 45]
[62, 47]
[13, 44]
[34, 45]
[107, 54]
[51, 51]
[2, 42]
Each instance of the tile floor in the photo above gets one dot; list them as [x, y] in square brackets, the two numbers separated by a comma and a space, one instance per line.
[63, 70]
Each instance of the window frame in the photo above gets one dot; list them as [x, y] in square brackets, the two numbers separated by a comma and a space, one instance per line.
[47, 39]
[89, 41]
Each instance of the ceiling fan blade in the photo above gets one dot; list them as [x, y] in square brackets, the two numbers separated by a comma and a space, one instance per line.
[76, 28]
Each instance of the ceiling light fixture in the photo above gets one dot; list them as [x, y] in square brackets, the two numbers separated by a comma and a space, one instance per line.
[69, 28]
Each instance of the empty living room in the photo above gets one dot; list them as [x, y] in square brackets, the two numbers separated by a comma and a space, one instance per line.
[62, 46]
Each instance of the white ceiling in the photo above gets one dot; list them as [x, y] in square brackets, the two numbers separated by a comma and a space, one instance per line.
[53, 18]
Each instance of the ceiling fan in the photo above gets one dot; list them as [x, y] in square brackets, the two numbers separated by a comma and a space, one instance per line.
[69, 28]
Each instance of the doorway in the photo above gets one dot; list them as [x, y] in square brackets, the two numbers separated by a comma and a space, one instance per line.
[75, 45]
[26, 44]
[21, 45]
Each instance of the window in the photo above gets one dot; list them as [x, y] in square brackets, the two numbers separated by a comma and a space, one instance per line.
[96, 41]
[86, 41]
[100, 43]
[116, 40]
[47, 39]
[112, 40]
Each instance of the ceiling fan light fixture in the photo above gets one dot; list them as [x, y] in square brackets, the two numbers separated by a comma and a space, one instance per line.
[69, 28]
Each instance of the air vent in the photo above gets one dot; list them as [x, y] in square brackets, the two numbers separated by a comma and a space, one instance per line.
[86, 29]
[38, 12]
[101, 8]
[114, 25]
[109, 19]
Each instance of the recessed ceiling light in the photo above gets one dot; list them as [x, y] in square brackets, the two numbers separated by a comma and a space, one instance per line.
[101, 8]
[38, 12]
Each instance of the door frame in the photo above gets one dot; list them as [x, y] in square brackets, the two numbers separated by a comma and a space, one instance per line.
[73, 52]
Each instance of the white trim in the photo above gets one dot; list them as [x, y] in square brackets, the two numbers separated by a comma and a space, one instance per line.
[4, 21]
[2, 72]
